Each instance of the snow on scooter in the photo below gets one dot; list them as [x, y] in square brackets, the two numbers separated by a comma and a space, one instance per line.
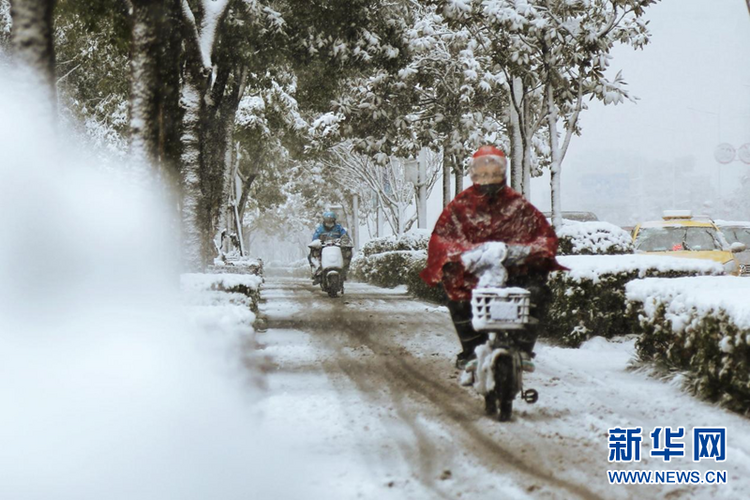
[331, 264]
[503, 312]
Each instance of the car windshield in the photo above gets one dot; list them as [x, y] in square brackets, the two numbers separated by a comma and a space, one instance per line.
[737, 234]
[675, 239]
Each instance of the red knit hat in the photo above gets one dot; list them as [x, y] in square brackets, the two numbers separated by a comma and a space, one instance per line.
[488, 150]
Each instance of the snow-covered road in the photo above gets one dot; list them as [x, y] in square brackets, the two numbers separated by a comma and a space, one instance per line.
[364, 388]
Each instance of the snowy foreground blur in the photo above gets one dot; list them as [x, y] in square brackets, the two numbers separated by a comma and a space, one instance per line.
[111, 386]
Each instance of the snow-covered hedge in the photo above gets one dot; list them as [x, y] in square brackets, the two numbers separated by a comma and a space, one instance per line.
[590, 298]
[394, 261]
[247, 285]
[700, 326]
[387, 269]
[416, 239]
[244, 265]
[593, 238]
[419, 288]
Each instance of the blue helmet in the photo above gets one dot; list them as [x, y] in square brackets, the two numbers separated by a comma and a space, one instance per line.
[329, 216]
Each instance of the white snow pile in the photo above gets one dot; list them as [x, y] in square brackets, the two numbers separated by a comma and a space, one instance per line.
[485, 261]
[592, 267]
[593, 238]
[107, 384]
[221, 303]
[416, 239]
[732, 223]
[689, 299]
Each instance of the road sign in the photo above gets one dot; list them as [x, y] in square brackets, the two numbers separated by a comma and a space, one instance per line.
[724, 153]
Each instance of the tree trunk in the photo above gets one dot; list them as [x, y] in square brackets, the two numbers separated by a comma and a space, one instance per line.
[170, 113]
[446, 178]
[31, 38]
[245, 195]
[517, 148]
[218, 121]
[145, 86]
[225, 216]
[192, 222]
[459, 174]
[556, 205]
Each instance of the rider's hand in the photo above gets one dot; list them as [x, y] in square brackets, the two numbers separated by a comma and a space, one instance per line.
[517, 255]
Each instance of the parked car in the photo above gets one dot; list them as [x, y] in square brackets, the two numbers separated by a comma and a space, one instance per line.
[738, 232]
[577, 216]
[679, 234]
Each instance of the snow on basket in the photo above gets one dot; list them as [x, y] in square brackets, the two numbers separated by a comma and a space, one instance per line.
[499, 308]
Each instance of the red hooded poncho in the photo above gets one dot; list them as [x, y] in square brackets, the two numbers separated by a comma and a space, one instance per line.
[473, 218]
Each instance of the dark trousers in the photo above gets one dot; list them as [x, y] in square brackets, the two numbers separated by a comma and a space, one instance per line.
[540, 298]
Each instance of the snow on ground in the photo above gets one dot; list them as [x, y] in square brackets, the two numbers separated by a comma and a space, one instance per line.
[365, 387]
[687, 298]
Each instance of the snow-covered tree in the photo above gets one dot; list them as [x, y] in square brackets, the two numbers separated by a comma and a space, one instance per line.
[555, 54]
[389, 181]
[32, 40]
[436, 98]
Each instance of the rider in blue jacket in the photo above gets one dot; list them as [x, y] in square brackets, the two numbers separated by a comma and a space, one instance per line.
[329, 229]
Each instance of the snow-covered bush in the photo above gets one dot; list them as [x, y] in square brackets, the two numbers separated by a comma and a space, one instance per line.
[247, 285]
[417, 287]
[386, 261]
[593, 238]
[700, 326]
[243, 265]
[590, 298]
[387, 269]
[416, 239]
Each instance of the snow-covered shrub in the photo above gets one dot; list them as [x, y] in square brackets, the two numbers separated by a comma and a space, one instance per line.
[593, 238]
[419, 288]
[398, 268]
[590, 298]
[387, 269]
[247, 285]
[244, 265]
[700, 326]
[416, 239]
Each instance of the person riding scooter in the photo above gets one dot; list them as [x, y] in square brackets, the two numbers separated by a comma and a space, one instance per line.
[490, 211]
[329, 229]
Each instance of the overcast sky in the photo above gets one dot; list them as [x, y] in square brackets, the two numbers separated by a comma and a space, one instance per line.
[693, 81]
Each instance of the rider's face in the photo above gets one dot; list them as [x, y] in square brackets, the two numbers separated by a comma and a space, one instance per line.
[487, 170]
[328, 223]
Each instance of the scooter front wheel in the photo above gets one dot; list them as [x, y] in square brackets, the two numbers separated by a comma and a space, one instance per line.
[505, 384]
[333, 286]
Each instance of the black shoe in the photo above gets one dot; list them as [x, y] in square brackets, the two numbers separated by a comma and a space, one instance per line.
[464, 358]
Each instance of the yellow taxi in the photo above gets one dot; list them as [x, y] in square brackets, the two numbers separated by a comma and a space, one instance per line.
[679, 234]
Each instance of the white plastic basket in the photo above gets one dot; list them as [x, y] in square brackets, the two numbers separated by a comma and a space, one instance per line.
[499, 308]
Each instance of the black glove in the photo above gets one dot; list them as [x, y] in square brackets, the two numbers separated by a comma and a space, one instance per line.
[517, 255]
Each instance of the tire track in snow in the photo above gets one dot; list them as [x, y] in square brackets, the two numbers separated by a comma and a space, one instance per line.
[412, 382]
